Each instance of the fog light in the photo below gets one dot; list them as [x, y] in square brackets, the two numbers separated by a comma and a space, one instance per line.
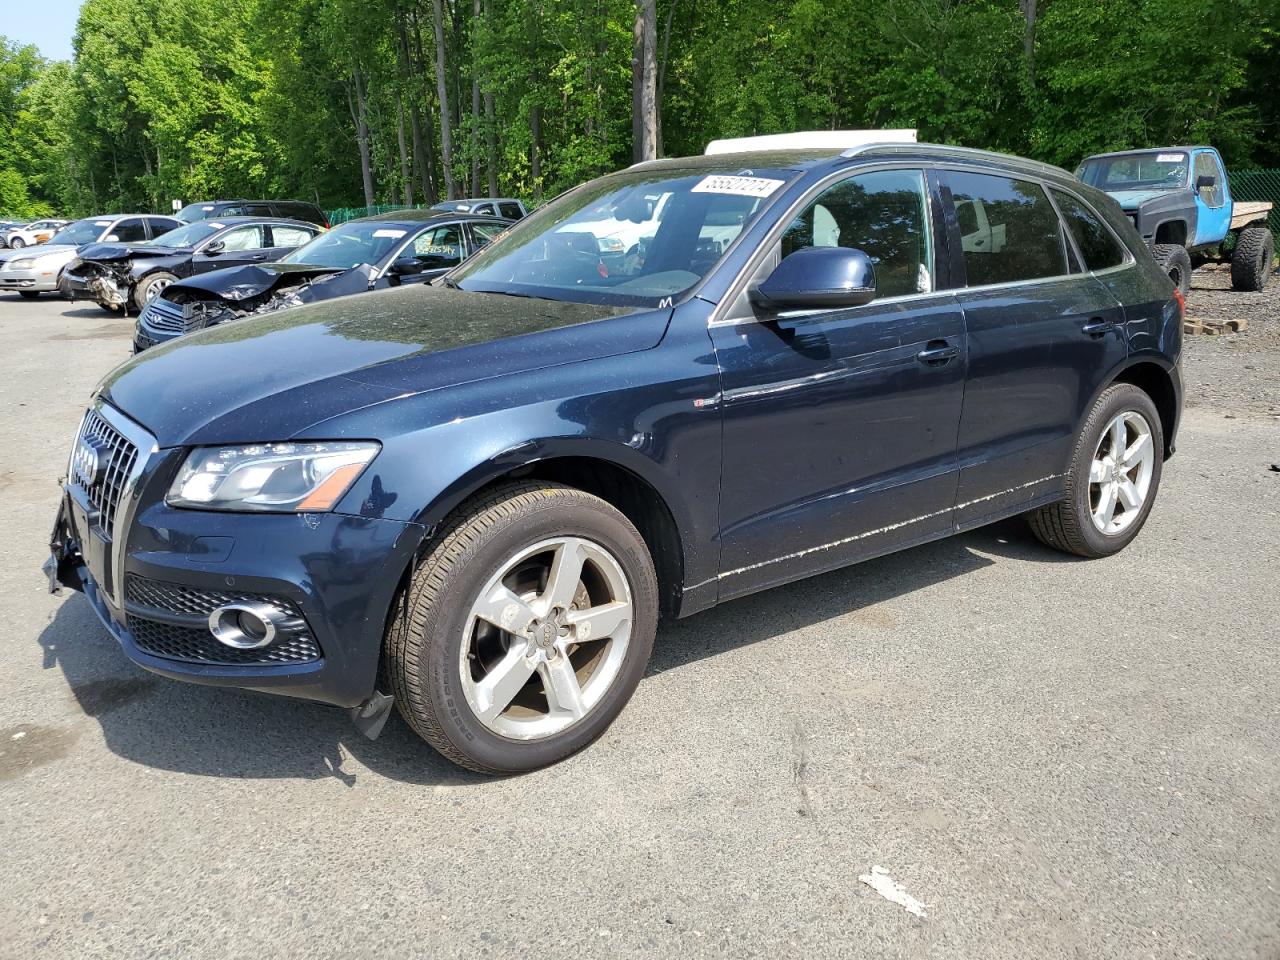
[245, 626]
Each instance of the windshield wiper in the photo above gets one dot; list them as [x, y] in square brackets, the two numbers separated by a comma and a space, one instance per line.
[450, 283]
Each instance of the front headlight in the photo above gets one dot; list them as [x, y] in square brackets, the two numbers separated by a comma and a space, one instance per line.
[23, 263]
[275, 477]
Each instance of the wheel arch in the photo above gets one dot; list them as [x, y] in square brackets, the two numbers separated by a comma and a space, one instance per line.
[1175, 230]
[1155, 381]
[619, 475]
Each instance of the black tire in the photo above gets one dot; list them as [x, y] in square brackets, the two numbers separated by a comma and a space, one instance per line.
[1067, 525]
[142, 292]
[1251, 261]
[1176, 264]
[17, 243]
[422, 650]
[29, 294]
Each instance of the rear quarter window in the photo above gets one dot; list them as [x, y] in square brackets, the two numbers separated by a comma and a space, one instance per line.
[1097, 243]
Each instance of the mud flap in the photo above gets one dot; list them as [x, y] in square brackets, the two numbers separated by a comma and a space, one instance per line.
[371, 716]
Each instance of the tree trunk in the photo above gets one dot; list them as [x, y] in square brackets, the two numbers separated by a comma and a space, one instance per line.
[649, 93]
[475, 102]
[442, 91]
[406, 169]
[637, 84]
[662, 66]
[359, 114]
[403, 59]
[430, 181]
[492, 128]
[535, 152]
[1029, 36]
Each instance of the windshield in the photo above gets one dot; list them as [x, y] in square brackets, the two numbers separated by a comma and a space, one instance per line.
[1136, 171]
[351, 244]
[187, 236]
[82, 231]
[638, 237]
[195, 211]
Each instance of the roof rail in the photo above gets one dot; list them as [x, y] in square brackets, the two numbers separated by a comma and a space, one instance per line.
[833, 140]
[946, 150]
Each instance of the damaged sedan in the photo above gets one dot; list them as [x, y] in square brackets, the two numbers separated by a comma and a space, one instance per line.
[407, 246]
[127, 276]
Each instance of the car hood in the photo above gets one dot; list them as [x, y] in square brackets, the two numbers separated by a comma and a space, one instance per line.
[1132, 199]
[241, 283]
[271, 376]
[106, 252]
[44, 250]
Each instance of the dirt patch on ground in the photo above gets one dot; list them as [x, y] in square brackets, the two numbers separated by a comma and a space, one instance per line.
[1237, 373]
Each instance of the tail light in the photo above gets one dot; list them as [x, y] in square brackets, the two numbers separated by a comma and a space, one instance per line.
[1180, 298]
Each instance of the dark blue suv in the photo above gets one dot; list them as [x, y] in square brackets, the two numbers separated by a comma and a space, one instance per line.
[673, 386]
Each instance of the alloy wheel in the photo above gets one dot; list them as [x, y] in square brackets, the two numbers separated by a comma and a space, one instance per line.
[1120, 473]
[546, 638]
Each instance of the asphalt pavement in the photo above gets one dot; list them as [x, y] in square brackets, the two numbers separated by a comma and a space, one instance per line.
[1045, 757]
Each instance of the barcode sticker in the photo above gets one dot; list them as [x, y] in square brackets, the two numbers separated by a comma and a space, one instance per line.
[737, 186]
[1170, 157]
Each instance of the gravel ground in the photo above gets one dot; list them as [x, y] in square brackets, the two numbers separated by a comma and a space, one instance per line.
[1238, 372]
[1056, 758]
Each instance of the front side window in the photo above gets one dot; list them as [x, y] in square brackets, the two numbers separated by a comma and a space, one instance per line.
[641, 237]
[1098, 245]
[885, 214]
[439, 247]
[1009, 230]
[1207, 166]
[248, 237]
[130, 231]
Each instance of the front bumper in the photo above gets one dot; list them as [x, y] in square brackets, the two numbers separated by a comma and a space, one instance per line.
[104, 290]
[41, 281]
[339, 573]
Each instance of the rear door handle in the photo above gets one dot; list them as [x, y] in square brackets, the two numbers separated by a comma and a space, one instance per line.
[938, 353]
[1097, 327]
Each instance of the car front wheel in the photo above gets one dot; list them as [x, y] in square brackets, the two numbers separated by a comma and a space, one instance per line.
[526, 628]
[1113, 478]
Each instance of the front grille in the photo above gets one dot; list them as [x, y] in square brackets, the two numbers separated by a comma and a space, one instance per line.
[116, 459]
[195, 643]
[165, 316]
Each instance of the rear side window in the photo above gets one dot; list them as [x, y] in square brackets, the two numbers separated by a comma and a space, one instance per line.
[1100, 247]
[510, 210]
[884, 214]
[259, 210]
[130, 231]
[300, 211]
[286, 236]
[1009, 230]
[485, 232]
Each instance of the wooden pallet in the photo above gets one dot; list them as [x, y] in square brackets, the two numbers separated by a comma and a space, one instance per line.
[1213, 327]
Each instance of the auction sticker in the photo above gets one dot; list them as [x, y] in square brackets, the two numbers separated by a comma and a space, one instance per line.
[394, 234]
[1170, 157]
[737, 186]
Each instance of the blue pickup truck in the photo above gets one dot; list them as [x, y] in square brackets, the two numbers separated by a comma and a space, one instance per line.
[1179, 200]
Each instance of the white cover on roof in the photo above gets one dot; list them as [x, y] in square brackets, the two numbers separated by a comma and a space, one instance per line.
[810, 140]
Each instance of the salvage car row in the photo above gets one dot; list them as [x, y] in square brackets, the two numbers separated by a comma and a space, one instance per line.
[223, 260]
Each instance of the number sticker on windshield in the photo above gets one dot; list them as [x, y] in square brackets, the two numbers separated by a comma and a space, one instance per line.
[1170, 157]
[737, 186]
[393, 234]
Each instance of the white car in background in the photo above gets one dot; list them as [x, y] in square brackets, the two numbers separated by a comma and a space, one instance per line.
[30, 234]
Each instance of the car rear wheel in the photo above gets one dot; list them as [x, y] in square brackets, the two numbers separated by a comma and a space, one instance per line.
[1251, 259]
[1113, 478]
[149, 288]
[526, 628]
[1176, 263]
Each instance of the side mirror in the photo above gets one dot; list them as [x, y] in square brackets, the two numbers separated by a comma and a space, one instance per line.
[1204, 181]
[215, 248]
[817, 278]
[406, 267]
[111, 238]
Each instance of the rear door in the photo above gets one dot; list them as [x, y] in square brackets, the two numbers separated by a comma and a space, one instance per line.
[1044, 334]
[839, 429]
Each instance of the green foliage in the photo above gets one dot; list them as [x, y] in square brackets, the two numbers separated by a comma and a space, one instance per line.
[198, 99]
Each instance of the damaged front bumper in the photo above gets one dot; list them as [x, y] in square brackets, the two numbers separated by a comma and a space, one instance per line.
[83, 282]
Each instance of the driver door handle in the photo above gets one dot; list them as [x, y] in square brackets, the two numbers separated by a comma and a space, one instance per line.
[1096, 327]
[938, 353]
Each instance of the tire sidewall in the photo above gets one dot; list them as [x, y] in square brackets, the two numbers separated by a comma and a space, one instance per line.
[1115, 400]
[140, 291]
[445, 623]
